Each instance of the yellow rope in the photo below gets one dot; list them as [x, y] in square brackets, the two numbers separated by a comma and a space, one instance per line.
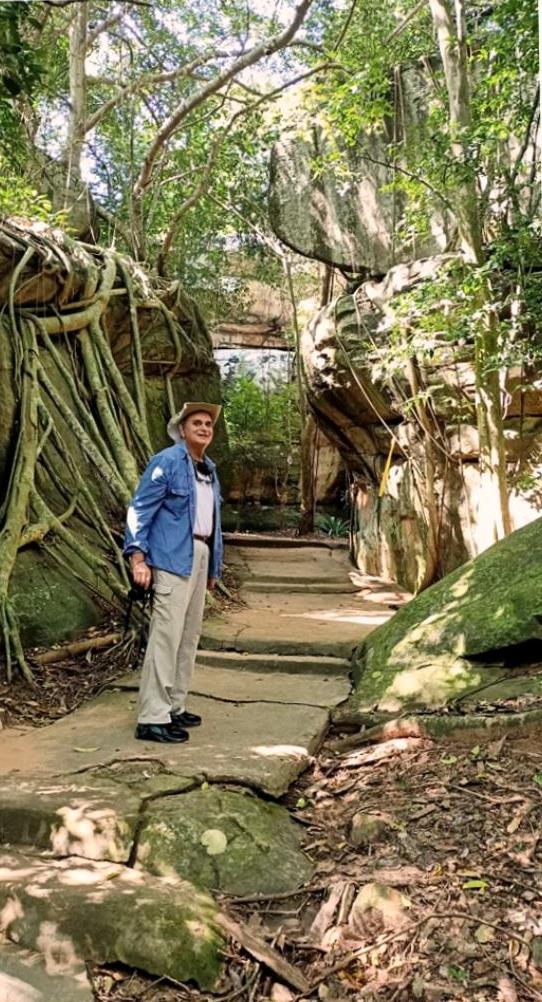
[386, 473]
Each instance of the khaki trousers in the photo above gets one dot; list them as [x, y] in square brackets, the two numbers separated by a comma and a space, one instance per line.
[173, 640]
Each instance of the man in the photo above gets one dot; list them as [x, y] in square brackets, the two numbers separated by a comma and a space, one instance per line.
[174, 541]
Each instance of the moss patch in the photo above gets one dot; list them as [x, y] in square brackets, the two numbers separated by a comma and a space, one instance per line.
[422, 657]
[224, 840]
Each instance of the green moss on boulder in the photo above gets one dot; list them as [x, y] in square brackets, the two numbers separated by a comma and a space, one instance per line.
[225, 840]
[423, 656]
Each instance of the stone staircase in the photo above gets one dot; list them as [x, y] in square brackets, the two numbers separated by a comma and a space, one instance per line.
[120, 837]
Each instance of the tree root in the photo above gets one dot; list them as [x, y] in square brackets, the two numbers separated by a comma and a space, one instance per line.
[72, 386]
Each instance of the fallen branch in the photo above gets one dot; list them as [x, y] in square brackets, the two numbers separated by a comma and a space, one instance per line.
[77, 647]
[264, 953]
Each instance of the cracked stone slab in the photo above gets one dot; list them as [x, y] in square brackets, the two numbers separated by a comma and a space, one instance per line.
[25, 978]
[78, 910]
[266, 749]
[224, 840]
[254, 687]
[77, 817]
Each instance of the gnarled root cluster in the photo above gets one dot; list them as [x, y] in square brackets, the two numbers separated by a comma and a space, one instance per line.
[80, 332]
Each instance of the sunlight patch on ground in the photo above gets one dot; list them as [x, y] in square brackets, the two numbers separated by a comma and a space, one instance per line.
[342, 616]
[58, 950]
[87, 832]
[275, 751]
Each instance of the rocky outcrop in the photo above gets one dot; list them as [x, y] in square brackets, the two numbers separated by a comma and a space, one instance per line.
[335, 203]
[261, 322]
[384, 420]
[72, 911]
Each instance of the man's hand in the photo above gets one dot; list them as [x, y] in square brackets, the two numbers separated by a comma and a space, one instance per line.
[211, 583]
[141, 572]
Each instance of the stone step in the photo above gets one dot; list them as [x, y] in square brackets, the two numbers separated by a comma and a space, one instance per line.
[287, 664]
[282, 542]
[299, 586]
[283, 646]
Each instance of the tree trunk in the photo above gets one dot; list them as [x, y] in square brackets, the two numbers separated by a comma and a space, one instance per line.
[78, 94]
[307, 504]
[494, 507]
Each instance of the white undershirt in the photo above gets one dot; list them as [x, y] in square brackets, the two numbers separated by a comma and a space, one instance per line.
[204, 509]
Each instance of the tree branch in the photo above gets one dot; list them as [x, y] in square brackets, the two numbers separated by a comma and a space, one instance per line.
[149, 80]
[203, 184]
[104, 25]
[341, 36]
[265, 48]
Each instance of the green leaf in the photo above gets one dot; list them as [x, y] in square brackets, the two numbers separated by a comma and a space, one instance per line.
[476, 885]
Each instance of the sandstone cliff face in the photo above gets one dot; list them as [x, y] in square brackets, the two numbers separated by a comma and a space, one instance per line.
[367, 408]
[334, 202]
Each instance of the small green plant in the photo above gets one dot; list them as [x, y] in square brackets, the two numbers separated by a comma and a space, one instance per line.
[332, 525]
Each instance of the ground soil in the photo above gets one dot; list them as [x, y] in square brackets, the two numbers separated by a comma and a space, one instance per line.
[462, 845]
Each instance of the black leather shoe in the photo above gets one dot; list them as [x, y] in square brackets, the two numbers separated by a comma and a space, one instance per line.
[185, 719]
[163, 733]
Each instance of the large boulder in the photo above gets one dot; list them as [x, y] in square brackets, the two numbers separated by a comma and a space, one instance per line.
[450, 640]
[335, 202]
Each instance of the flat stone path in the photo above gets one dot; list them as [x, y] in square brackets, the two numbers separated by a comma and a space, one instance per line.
[269, 672]
[303, 601]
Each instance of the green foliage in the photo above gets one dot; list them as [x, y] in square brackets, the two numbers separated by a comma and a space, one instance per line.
[332, 525]
[20, 199]
[21, 71]
[21, 66]
[263, 425]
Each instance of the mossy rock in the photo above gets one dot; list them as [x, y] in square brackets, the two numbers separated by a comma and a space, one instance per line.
[73, 911]
[223, 840]
[446, 641]
[52, 605]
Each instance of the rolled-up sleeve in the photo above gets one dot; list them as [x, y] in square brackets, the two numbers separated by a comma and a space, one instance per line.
[151, 490]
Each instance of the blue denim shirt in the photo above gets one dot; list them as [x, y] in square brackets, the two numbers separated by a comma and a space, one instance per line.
[162, 514]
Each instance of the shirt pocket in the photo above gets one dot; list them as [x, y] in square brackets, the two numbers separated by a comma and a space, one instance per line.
[178, 498]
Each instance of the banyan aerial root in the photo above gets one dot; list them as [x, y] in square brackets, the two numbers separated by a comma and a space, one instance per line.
[78, 331]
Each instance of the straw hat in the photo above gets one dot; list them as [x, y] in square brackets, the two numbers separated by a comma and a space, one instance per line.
[191, 407]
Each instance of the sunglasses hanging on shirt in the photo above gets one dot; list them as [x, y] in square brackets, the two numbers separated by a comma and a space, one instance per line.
[203, 471]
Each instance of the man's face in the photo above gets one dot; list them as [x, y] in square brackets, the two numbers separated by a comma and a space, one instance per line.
[197, 430]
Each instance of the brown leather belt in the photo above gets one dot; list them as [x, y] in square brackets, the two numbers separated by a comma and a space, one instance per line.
[202, 539]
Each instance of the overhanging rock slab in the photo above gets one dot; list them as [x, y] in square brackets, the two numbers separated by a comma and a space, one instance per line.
[72, 911]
